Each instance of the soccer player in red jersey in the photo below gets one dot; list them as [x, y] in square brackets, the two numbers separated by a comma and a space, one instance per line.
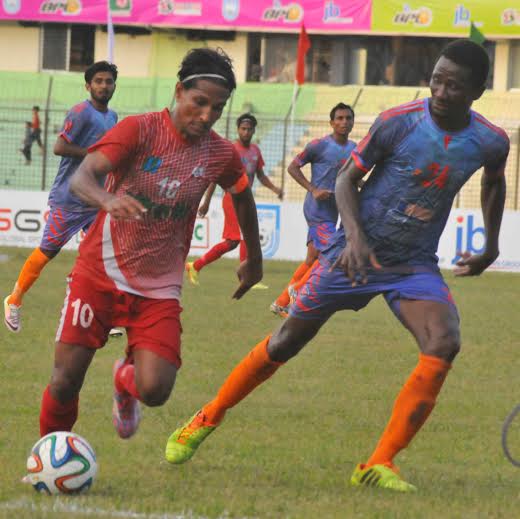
[130, 266]
[253, 163]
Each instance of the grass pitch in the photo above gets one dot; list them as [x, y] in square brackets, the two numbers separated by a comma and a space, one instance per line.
[288, 450]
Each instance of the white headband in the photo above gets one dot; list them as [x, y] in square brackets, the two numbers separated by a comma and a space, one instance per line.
[196, 76]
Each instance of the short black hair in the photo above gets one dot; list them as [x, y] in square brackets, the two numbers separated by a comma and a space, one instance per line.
[341, 106]
[207, 61]
[247, 117]
[100, 66]
[469, 54]
[37, 108]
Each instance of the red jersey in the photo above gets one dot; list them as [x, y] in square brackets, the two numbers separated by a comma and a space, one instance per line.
[251, 159]
[35, 121]
[168, 175]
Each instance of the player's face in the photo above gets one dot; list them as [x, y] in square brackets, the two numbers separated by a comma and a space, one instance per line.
[452, 90]
[101, 87]
[198, 108]
[343, 122]
[245, 132]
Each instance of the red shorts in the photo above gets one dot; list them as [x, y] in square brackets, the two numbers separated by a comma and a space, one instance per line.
[91, 309]
[231, 227]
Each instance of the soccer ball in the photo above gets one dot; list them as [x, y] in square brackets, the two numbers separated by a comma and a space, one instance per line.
[61, 463]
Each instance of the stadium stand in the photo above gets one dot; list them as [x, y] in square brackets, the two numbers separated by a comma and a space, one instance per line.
[280, 134]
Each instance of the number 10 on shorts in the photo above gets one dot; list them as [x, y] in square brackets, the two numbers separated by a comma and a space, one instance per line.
[83, 314]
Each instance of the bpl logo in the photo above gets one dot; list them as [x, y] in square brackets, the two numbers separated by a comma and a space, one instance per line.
[468, 237]
[269, 228]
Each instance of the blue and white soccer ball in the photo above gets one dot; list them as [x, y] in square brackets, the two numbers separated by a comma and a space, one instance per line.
[61, 463]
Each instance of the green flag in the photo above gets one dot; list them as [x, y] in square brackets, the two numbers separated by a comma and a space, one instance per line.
[475, 35]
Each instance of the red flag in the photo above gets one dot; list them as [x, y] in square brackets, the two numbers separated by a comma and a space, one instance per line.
[304, 44]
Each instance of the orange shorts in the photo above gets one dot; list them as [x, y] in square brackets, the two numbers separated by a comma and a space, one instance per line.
[231, 227]
[91, 309]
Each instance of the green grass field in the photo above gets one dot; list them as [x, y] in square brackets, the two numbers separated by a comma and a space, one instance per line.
[288, 450]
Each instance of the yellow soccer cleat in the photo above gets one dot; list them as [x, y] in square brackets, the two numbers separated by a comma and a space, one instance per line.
[185, 440]
[193, 275]
[382, 476]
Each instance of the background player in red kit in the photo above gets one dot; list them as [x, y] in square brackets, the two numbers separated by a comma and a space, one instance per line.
[253, 163]
[130, 266]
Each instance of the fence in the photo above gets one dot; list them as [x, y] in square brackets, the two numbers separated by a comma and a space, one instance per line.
[280, 137]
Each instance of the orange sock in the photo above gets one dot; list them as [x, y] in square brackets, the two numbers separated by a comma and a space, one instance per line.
[412, 407]
[305, 277]
[30, 272]
[283, 298]
[252, 370]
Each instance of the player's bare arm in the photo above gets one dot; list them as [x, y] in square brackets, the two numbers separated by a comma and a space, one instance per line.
[250, 271]
[296, 173]
[265, 181]
[204, 207]
[357, 255]
[493, 196]
[84, 184]
[68, 149]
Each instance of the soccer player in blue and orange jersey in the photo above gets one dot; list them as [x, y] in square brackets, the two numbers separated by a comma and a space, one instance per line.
[254, 165]
[421, 154]
[130, 267]
[326, 156]
[84, 124]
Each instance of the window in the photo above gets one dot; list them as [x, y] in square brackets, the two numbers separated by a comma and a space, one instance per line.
[66, 47]
[514, 65]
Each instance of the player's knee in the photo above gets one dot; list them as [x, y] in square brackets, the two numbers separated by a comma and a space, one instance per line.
[444, 344]
[233, 244]
[283, 345]
[154, 394]
[64, 385]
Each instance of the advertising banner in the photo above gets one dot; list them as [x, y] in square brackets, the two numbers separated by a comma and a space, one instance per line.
[333, 15]
[283, 230]
[449, 17]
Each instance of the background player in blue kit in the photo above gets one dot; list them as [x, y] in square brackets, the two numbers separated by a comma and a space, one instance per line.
[422, 154]
[326, 156]
[84, 125]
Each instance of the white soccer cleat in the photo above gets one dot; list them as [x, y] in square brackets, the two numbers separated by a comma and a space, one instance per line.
[13, 316]
[115, 333]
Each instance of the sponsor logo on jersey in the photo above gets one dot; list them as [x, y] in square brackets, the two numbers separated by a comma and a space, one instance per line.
[152, 164]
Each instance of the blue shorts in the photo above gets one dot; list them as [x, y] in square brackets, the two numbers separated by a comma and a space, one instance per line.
[62, 225]
[326, 291]
[320, 233]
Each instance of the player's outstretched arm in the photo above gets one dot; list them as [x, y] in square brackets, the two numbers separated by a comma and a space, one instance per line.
[204, 207]
[250, 271]
[357, 255]
[265, 181]
[84, 184]
[493, 197]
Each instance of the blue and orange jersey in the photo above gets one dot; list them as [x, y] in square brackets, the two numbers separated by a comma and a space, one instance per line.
[418, 168]
[326, 157]
[83, 126]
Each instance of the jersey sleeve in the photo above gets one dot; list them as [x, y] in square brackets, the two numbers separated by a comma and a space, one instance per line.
[120, 143]
[233, 178]
[377, 144]
[75, 121]
[309, 153]
[496, 164]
